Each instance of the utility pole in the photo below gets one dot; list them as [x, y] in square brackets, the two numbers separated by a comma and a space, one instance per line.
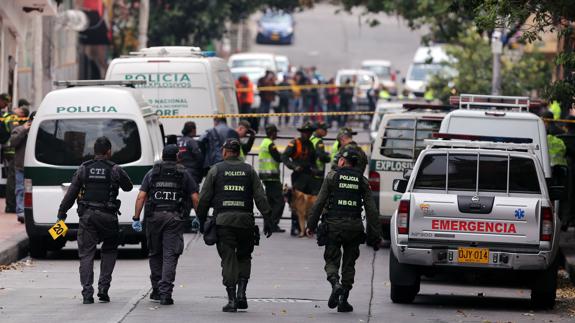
[496, 50]
[143, 24]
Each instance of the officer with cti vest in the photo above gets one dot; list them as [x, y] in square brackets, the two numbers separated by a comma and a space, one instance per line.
[95, 185]
[269, 160]
[165, 190]
[342, 195]
[322, 157]
[230, 188]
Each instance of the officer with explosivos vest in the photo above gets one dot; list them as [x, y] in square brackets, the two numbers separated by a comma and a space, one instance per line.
[343, 194]
[95, 186]
[165, 191]
[231, 187]
[269, 160]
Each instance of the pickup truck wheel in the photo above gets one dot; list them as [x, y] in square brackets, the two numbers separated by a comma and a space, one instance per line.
[544, 289]
[37, 247]
[405, 281]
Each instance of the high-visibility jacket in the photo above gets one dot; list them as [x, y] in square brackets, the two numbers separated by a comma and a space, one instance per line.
[319, 164]
[334, 149]
[557, 151]
[428, 95]
[384, 95]
[555, 108]
[10, 122]
[246, 95]
[269, 168]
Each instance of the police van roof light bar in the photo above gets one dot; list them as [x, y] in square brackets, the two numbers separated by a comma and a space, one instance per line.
[479, 101]
[499, 139]
[466, 144]
[426, 106]
[74, 83]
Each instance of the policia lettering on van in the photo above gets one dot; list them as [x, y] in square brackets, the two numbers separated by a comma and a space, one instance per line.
[95, 187]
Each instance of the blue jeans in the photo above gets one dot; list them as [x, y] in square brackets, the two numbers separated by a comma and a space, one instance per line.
[20, 193]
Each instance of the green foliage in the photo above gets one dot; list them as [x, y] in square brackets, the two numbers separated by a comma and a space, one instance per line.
[198, 22]
[520, 76]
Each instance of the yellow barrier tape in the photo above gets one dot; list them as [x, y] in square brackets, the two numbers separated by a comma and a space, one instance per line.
[58, 229]
[260, 115]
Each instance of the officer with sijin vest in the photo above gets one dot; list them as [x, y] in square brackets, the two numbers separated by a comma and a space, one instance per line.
[269, 160]
[165, 190]
[343, 194]
[95, 186]
[230, 188]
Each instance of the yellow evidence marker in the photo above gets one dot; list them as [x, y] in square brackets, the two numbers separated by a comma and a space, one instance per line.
[58, 229]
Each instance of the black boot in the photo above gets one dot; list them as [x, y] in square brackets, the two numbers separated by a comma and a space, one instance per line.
[343, 305]
[336, 291]
[103, 295]
[88, 300]
[166, 300]
[294, 225]
[155, 295]
[242, 300]
[232, 305]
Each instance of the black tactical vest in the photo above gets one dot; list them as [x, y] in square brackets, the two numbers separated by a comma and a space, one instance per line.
[345, 200]
[234, 191]
[166, 188]
[99, 189]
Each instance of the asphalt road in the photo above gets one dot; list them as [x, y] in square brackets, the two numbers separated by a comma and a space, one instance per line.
[288, 285]
[333, 41]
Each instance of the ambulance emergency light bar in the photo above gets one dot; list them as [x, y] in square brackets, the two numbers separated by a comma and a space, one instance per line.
[498, 102]
[172, 51]
[498, 139]
[73, 83]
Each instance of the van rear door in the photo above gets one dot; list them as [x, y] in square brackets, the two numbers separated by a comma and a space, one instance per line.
[454, 200]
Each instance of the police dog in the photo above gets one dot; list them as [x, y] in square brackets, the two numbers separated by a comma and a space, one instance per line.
[302, 204]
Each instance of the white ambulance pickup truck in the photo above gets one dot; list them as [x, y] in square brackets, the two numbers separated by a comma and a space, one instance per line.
[478, 206]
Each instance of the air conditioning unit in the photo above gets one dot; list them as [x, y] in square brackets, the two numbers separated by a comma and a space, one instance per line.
[42, 7]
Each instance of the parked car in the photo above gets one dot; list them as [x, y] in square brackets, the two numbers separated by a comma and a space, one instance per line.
[262, 60]
[275, 28]
[427, 62]
[384, 71]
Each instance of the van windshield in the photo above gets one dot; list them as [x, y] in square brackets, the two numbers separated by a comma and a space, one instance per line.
[70, 142]
[492, 176]
[404, 138]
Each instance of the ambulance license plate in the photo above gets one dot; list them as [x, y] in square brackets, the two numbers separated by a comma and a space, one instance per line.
[275, 37]
[473, 255]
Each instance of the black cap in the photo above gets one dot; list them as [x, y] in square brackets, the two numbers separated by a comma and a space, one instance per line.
[351, 155]
[271, 128]
[346, 131]
[245, 123]
[23, 102]
[321, 125]
[308, 126]
[188, 127]
[170, 152]
[232, 144]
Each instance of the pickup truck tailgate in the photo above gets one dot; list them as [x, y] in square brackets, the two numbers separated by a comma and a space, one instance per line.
[491, 219]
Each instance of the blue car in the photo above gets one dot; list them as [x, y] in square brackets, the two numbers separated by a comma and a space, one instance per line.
[275, 28]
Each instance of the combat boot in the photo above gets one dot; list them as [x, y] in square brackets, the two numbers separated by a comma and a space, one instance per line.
[242, 300]
[166, 300]
[88, 300]
[336, 291]
[103, 295]
[232, 304]
[343, 305]
[155, 295]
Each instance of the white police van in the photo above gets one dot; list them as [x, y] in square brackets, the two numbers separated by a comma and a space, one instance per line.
[62, 136]
[482, 207]
[180, 81]
[397, 144]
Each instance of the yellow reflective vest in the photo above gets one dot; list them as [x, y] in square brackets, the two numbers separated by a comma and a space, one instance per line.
[269, 168]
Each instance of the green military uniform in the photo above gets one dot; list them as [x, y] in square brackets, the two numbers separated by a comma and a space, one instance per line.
[322, 158]
[342, 195]
[269, 170]
[231, 187]
[10, 122]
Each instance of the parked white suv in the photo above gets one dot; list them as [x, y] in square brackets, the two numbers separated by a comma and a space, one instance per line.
[475, 206]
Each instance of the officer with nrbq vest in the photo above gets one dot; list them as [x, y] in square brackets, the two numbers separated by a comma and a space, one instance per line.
[95, 186]
[166, 191]
[342, 195]
[231, 187]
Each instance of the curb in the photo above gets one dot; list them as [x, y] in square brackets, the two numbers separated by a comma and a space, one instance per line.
[14, 248]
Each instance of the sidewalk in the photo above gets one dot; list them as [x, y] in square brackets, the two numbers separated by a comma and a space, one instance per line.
[13, 238]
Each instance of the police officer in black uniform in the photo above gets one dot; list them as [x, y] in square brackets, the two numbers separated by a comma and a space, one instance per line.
[95, 186]
[191, 155]
[230, 188]
[165, 190]
[343, 194]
